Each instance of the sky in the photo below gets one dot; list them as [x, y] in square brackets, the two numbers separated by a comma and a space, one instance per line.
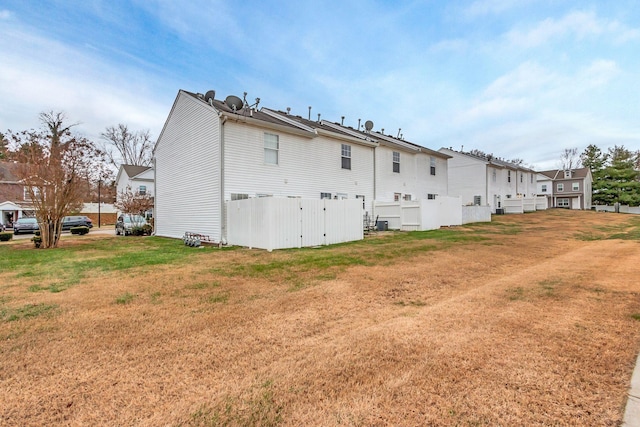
[518, 79]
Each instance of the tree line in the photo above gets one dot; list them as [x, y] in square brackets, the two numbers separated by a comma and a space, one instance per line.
[61, 170]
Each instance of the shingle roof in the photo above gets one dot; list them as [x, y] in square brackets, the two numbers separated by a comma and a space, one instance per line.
[559, 173]
[285, 119]
[133, 170]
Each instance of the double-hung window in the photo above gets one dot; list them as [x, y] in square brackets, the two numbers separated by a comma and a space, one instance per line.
[271, 147]
[508, 176]
[396, 162]
[560, 187]
[432, 163]
[346, 156]
[142, 190]
[575, 186]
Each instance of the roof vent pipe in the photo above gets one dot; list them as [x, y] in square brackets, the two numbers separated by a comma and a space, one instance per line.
[309, 112]
[288, 110]
[358, 124]
[318, 117]
[382, 131]
[399, 129]
[342, 122]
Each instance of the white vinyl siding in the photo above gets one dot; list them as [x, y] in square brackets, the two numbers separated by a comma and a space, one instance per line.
[307, 167]
[188, 171]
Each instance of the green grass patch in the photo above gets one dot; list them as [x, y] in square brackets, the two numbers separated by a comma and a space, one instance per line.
[635, 316]
[219, 298]
[416, 303]
[516, 294]
[125, 298]
[68, 266]
[8, 314]
[256, 407]
[204, 285]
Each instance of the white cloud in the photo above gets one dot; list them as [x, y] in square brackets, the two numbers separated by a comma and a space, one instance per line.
[41, 75]
[579, 24]
[5, 14]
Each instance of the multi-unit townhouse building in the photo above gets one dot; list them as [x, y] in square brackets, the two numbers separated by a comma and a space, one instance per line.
[211, 151]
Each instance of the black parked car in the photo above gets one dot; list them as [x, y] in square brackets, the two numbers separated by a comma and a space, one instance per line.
[69, 222]
[25, 225]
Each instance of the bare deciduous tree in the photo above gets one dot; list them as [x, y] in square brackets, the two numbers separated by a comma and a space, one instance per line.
[570, 159]
[125, 147]
[129, 202]
[54, 166]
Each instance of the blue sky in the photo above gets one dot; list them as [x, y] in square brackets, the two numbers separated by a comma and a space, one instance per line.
[519, 79]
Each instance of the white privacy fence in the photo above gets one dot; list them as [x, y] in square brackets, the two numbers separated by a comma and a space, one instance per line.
[524, 204]
[420, 215]
[278, 223]
[618, 208]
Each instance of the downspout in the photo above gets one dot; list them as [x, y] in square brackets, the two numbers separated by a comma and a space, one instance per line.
[373, 202]
[223, 207]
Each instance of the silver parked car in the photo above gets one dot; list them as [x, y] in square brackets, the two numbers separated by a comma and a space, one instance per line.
[127, 222]
[25, 225]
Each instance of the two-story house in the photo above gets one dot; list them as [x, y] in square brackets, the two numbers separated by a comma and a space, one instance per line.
[211, 151]
[137, 179]
[14, 198]
[486, 180]
[571, 189]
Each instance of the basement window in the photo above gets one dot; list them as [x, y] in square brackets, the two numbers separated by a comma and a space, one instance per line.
[239, 196]
[325, 195]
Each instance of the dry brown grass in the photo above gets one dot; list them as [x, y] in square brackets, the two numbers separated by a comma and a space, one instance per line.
[534, 327]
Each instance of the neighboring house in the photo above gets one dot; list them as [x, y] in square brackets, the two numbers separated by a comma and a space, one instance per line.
[570, 189]
[140, 179]
[480, 180]
[14, 198]
[210, 152]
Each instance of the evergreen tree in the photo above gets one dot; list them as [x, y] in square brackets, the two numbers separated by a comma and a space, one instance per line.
[618, 182]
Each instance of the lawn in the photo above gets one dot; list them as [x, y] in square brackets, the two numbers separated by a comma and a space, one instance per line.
[529, 320]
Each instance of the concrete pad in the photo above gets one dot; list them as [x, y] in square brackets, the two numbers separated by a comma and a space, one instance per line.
[632, 411]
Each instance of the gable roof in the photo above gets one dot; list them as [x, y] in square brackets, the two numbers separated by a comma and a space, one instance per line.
[490, 160]
[131, 170]
[559, 173]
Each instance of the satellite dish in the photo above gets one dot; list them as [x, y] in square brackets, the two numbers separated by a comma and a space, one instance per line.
[234, 102]
[210, 95]
[368, 125]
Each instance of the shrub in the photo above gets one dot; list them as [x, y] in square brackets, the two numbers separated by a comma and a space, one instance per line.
[142, 230]
[5, 236]
[37, 241]
[81, 230]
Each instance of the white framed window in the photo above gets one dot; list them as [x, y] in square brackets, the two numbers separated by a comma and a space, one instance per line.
[27, 196]
[406, 197]
[575, 186]
[563, 203]
[432, 166]
[493, 175]
[431, 196]
[325, 195]
[560, 186]
[508, 176]
[239, 196]
[142, 190]
[396, 197]
[341, 196]
[521, 177]
[477, 200]
[544, 188]
[271, 148]
[346, 156]
[396, 162]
